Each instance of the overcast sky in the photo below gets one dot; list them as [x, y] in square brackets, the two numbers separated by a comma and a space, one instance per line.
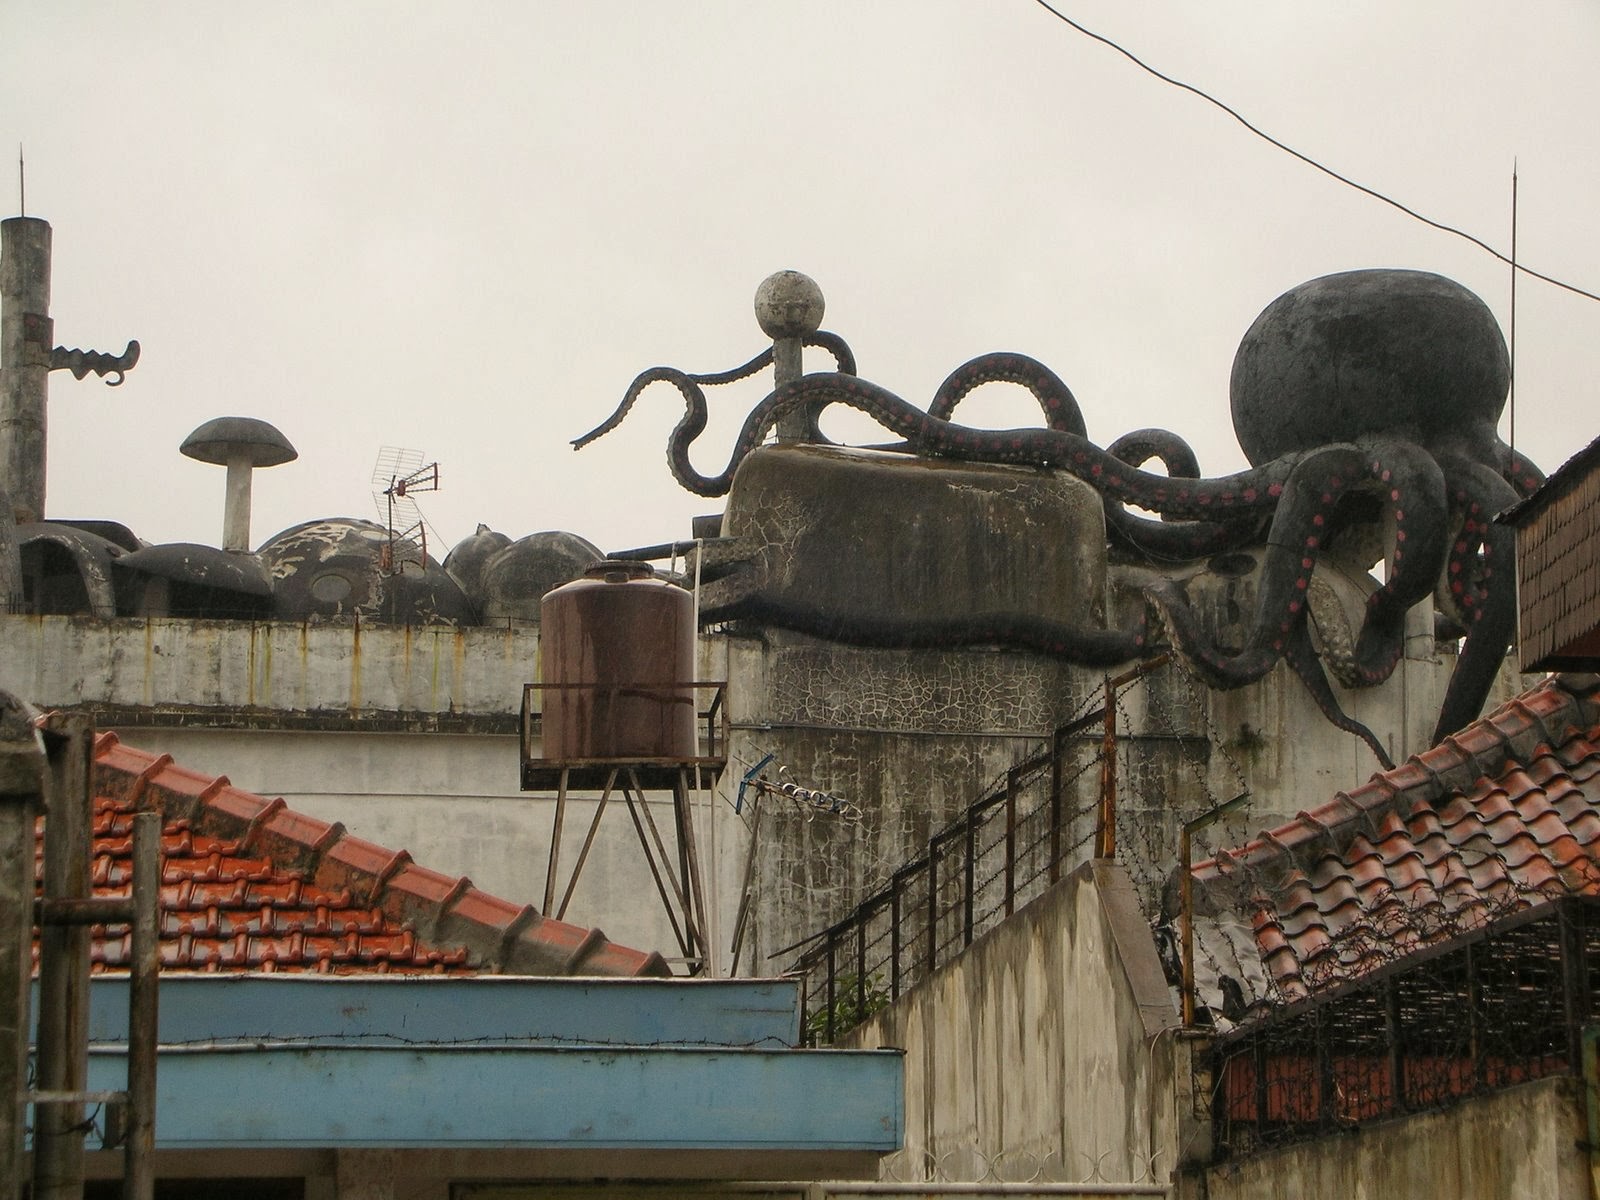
[464, 228]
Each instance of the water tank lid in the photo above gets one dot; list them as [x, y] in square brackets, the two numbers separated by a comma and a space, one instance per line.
[619, 570]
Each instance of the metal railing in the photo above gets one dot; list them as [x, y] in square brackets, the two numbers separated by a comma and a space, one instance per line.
[1007, 848]
[1504, 1005]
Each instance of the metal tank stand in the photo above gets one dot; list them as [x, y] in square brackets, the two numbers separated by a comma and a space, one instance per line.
[676, 868]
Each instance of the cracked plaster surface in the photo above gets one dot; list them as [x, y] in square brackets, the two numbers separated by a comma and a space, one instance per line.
[919, 691]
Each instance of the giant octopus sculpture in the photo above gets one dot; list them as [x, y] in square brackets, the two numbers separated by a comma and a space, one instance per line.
[1360, 399]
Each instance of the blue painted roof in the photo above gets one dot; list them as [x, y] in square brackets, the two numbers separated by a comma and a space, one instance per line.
[430, 1010]
[523, 1097]
[269, 1062]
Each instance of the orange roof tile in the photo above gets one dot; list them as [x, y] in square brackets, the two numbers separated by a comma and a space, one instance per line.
[1501, 816]
[249, 884]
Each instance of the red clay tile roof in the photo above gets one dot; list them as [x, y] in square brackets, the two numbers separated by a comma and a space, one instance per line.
[1501, 816]
[251, 885]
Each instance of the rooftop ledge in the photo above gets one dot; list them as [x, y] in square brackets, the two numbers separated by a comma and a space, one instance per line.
[504, 1063]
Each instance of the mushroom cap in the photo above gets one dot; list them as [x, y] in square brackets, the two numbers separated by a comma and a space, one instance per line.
[223, 438]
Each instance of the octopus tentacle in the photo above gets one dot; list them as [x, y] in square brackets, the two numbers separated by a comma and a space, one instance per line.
[1413, 490]
[1161, 540]
[1139, 446]
[1061, 411]
[1177, 541]
[689, 387]
[1302, 658]
[1056, 401]
[1257, 488]
[1487, 610]
[1169, 541]
[1516, 470]
[1023, 631]
[1414, 494]
[687, 429]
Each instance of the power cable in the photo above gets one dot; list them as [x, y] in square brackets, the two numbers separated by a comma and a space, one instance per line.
[1508, 260]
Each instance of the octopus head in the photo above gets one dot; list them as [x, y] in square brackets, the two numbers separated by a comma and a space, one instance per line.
[1376, 353]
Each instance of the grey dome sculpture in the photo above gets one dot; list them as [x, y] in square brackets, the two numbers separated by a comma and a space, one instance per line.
[180, 579]
[343, 568]
[241, 444]
[466, 559]
[516, 577]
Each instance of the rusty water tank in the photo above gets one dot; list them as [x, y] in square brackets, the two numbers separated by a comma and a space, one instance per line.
[622, 643]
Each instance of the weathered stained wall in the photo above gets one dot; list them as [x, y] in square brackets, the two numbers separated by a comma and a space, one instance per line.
[912, 737]
[1524, 1143]
[188, 663]
[855, 539]
[1051, 1044]
[405, 735]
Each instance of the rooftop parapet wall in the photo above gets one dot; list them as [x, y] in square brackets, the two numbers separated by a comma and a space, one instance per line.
[471, 677]
[1049, 1048]
[1522, 1143]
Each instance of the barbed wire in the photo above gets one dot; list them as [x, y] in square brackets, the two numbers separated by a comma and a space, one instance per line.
[971, 1165]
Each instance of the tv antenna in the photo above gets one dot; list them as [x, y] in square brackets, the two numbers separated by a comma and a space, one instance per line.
[396, 477]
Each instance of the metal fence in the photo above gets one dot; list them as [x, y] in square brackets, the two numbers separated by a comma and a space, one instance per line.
[1505, 1005]
[1007, 848]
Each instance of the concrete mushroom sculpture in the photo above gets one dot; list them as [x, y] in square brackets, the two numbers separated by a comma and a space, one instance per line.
[241, 444]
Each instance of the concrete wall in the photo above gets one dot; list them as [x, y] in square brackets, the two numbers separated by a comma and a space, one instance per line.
[910, 737]
[1051, 1047]
[353, 669]
[407, 737]
[1525, 1143]
[914, 736]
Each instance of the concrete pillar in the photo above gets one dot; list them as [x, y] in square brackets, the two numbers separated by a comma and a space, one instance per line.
[236, 504]
[63, 1054]
[24, 290]
[21, 786]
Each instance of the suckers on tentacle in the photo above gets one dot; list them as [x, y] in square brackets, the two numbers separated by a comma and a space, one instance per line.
[1488, 608]
[1412, 488]
[689, 386]
[1257, 488]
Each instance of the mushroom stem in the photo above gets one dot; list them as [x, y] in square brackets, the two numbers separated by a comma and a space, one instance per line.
[236, 504]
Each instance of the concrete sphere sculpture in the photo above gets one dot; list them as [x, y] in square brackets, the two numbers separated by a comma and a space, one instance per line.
[789, 305]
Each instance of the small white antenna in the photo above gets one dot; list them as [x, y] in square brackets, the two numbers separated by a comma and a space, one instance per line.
[396, 477]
